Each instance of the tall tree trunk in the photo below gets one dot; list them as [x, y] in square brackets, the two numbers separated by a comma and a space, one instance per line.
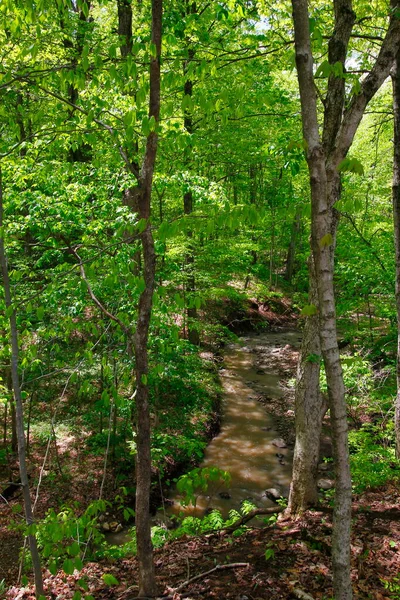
[310, 409]
[324, 192]
[19, 409]
[193, 333]
[324, 157]
[147, 583]
[396, 221]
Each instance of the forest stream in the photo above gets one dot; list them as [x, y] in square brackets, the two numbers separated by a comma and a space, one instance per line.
[248, 445]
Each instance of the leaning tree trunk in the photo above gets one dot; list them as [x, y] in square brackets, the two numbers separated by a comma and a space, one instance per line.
[309, 408]
[19, 410]
[396, 221]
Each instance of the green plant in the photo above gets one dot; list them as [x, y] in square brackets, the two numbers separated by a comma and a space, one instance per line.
[392, 586]
[65, 538]
[372, 463]
[198, 480]
[269, 552]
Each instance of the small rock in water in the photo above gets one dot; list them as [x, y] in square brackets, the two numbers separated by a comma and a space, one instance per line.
[279, 455]
[266, 428]
[106, 526]
[118, 528]
[225, 496]
[325, 484]
[273, 494]
[279, 443]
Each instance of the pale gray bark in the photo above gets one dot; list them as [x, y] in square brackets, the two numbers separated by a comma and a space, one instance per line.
[19, 410]
[310, 409]
[324, 156]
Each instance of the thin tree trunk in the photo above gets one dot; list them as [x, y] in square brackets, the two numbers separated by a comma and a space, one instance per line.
[19, 410]
[5, 423]
[193, 333]
[324, 156]
[28, 429]
[147, 583]
[310, 409]
[396, 220]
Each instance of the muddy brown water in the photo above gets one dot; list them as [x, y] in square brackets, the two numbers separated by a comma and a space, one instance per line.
[246, 444]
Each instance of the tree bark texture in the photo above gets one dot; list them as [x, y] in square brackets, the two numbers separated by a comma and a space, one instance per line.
[193, 334]
[324, 157]
[396, 222]
[323, 185]
[147, 583]
[19, 410]
[310, 409]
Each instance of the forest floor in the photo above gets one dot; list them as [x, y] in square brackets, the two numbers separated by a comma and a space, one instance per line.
[289, 559]
[297, 563]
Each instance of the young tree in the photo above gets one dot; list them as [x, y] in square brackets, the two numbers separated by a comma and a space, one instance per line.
[396, 222]
[19, 407]
[326, 153]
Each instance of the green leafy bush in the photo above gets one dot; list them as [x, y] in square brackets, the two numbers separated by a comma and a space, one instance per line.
[65, 538]
[372, 458]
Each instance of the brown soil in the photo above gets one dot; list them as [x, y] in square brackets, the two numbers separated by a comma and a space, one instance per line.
[300, 561]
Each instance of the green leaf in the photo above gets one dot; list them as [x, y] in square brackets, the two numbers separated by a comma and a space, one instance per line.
[143, 379]
[53, 567]
[40, 313]
[326, 240]
[73, 549]
[309, 310]
[77, 595]
[83, 584]
[323, 70]
[353, 165]
[109, 579]
[269, 553]
[68, 566]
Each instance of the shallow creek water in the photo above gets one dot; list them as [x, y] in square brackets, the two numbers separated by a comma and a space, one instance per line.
[245, 445]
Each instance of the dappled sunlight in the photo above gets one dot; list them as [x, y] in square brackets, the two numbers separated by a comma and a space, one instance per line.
[244, 446]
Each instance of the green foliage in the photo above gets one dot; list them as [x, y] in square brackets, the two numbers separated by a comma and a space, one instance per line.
[372, 458]
[66, 537]
[393, 587]
[198, 481]
[109, 579]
